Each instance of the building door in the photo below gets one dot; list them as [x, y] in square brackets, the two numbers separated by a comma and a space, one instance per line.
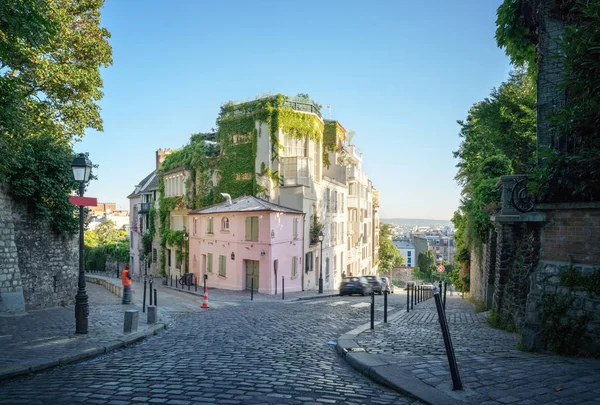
[251, 272]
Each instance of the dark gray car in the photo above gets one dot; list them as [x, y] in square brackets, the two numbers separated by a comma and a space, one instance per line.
[376, 283]
[355, 285]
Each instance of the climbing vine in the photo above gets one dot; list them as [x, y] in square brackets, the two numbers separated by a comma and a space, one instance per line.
[569, 167]
[229, 157]
[333, 135]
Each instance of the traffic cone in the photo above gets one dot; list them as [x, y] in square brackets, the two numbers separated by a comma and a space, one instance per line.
[205, 303]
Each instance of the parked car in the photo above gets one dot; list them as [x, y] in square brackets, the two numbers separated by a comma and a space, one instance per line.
[388, 284]
[355, 285]
[376, 283]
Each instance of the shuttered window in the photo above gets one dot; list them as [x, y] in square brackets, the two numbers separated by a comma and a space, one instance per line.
[209, 263]
[222, 266]
[252, 229]
[294, 266]
[209, 226]
[295, 228]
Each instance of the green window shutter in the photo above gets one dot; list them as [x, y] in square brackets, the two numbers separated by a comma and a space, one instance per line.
[254, 229]
[248, 228]
[294, 260]
[295, 228]
[222, 268]
[210, 262]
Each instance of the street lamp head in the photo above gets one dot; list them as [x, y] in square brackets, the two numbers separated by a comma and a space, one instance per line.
[82, 168]
[186, 236]
[321, 236]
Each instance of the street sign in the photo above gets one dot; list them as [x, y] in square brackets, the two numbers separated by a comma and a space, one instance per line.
[440, 268]
[83, 201]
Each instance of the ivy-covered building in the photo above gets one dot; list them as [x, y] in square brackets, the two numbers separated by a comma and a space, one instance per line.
[281, 150]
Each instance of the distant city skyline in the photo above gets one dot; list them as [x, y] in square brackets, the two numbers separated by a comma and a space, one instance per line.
[398, 73]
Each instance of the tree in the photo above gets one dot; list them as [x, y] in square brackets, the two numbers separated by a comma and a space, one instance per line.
[426, 263]
[107, 234]
[51, 52]
[389, 255]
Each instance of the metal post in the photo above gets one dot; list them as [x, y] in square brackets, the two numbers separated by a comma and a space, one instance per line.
[412, 301]
[456, 383]
[445, 290]
[321, 271]
[407, 298]
[385, 294]
[275, 284]
[252, 289]
[144, 302]
[188, 279]
[81, 298]
[150, 285]
[204, 287]
[195, 283]
[155, 300]
[282, 288]
[372, 310]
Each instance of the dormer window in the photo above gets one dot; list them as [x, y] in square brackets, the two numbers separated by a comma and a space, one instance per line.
[225, 224]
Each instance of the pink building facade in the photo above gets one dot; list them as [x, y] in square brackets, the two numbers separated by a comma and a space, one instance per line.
[247, 241]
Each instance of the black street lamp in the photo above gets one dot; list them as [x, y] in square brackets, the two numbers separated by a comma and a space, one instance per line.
[321, 265]
[82, 168]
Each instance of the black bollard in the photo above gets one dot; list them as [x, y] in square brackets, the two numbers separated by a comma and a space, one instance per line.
[445, 291]
[385, 294]
[282, 288]
[407, 298]
[195, 283]
[275, 284]
[372, 310]
[144, 302]
[189, 282]
[252, 289]
[155, 299]
[412, 301]
[171, 280]
[150, 285]
[456, 382]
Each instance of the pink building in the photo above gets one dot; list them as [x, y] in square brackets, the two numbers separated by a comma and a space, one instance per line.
[247, 239]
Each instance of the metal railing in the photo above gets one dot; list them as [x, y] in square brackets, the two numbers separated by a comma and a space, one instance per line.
[145, 207]
[303, 107]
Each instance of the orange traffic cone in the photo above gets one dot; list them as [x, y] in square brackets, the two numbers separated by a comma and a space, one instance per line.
[205, 303]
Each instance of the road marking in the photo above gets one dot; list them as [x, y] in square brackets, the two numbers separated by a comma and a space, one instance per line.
[335, 304]
[360, 305]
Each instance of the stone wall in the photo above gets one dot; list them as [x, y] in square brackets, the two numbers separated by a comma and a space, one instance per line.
[571, 232]
[11, 288]
[46, 264]
[476, 275]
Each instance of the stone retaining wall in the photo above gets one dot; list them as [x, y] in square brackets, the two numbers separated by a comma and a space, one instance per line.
[109, 285]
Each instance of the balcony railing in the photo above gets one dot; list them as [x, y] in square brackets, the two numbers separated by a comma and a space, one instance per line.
[145, 207]
[304, 107]
[295, 171]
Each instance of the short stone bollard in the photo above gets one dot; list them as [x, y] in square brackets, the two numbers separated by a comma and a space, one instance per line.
[151, 314]
[131, 321]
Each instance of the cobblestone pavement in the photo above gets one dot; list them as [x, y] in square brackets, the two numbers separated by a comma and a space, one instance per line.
[492, 370]
[250, 353]
[49, 334]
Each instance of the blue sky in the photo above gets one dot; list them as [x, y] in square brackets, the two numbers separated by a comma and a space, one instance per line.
[399, 73]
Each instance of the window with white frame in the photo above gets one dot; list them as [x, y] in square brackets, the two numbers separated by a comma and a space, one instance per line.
[209, 225]
[294, 146]
[209, 262]
[225, 224]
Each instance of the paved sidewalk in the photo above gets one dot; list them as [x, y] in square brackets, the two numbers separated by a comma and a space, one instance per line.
[409, 352]
[46, 338]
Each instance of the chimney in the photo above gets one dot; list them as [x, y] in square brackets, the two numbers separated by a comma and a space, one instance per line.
[228, 198]
[161, 154]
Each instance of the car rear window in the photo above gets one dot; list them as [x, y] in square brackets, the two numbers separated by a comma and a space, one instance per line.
[370, 277]
[349, 279]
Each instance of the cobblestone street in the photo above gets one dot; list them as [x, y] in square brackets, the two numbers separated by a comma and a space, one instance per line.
[493, 371]
[247, 353]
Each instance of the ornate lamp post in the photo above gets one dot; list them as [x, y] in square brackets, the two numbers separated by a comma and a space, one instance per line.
[82, 168]
[321, 264]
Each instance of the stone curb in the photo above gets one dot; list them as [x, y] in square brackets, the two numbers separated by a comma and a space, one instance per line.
[316, 297]
[44, 364]
[380, 369]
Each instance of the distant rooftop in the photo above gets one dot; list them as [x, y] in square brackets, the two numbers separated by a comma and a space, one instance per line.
[404, 245]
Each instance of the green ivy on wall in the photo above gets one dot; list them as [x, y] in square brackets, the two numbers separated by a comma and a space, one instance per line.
[232, 157]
